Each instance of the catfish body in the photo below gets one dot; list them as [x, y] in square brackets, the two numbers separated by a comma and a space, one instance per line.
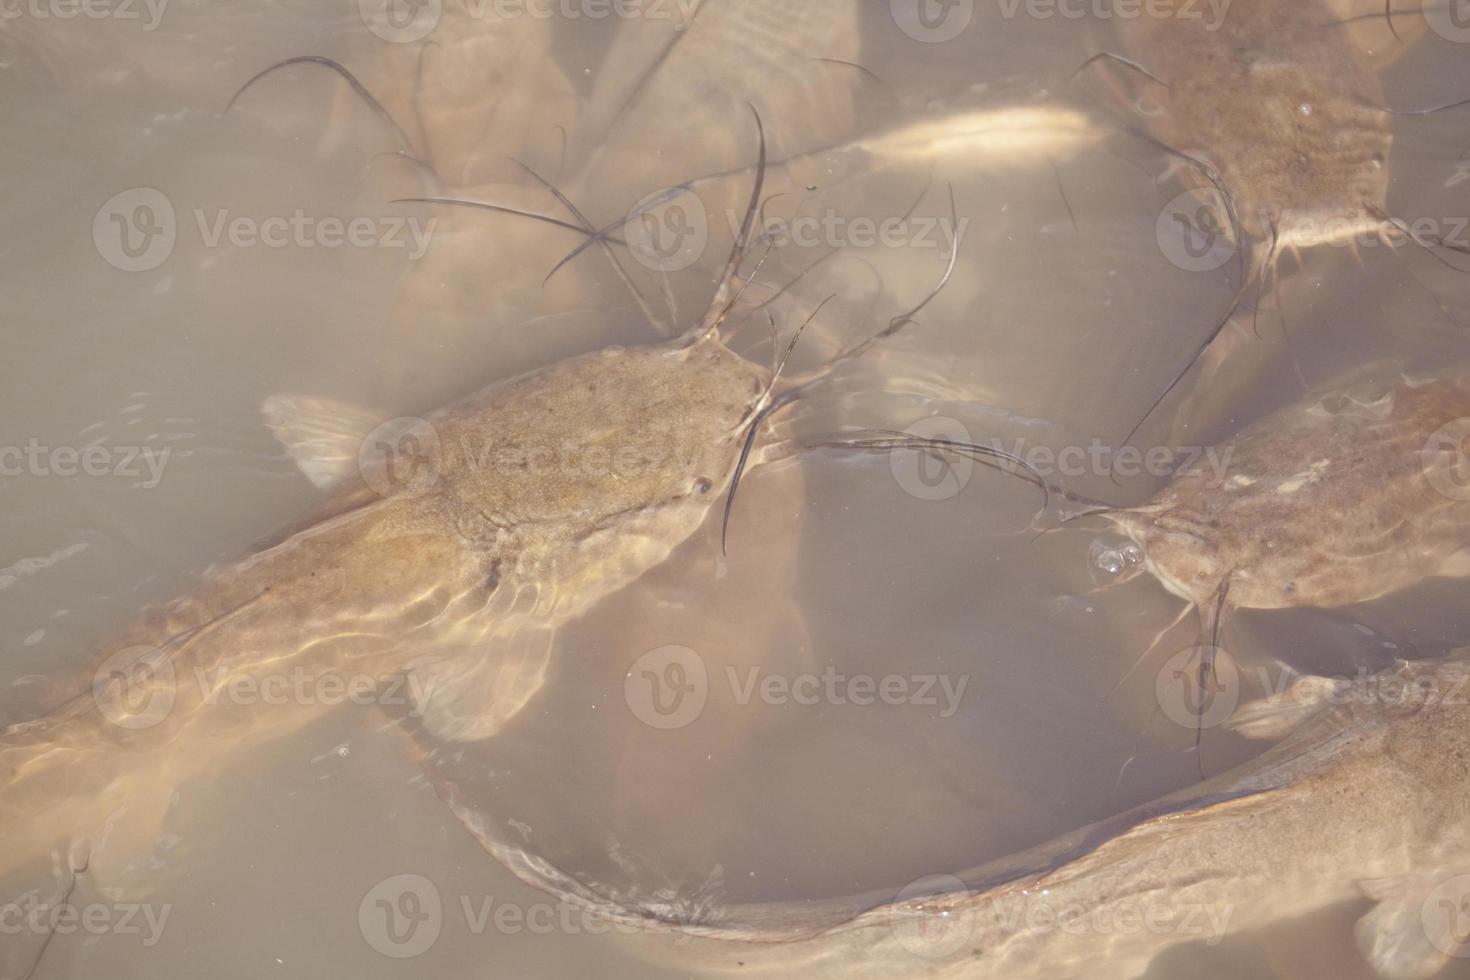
[1339, 499]
[522, 506]
[1283, 106]
[1367, 798]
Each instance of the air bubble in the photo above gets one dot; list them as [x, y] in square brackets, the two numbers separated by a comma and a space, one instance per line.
[1114, 560]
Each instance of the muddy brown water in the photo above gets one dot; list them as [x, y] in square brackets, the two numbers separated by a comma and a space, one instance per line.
[273, 859]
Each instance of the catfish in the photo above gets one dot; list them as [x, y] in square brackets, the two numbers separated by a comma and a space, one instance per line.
[1347, 496]
[450, 550]
[1366, 798]
[1276, 120]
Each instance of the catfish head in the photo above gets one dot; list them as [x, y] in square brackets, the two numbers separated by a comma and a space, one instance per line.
[640, 438]
[1180, 549]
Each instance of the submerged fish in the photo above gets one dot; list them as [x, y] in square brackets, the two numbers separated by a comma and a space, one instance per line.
[1367, 797]
[454, 559]
[1278, 123]
[1281, 106]
[1334, 500]
[450, 551]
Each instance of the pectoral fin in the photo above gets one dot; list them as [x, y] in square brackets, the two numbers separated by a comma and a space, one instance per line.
[1417, 925]
[322, 435]
[471, 696]
[1275, 715]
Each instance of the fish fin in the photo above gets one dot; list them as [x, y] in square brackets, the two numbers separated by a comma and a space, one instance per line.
[1274, 715]
[469, 698]
[322, 435]
[1405, 936]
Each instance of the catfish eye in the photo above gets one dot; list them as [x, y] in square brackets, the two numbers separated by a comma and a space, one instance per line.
[702, 485]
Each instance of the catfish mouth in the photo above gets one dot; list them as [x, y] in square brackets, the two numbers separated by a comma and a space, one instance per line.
[1327, 226]
[1149, 526]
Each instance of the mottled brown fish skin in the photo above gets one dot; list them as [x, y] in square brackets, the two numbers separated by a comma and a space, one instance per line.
[1368, 797]
[1325, 503]
[1281, 104]
[553, 490]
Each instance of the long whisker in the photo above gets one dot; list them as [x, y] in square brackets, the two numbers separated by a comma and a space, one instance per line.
[766, 410]
[1089, 512]
[1240, 293]
[998, 459]
[486, 206]
[358, 88]
[1198, 353]
[737, 251]
[1420, 112]
[1267, 270]
[604, 232]
[589, 229]
[1207, 671]
[1427, 244]
[778, 403]
[1120, 59]
[851, 64]
[903, 319]
[1388, 13]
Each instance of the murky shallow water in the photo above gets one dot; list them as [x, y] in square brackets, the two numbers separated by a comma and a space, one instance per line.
[1055, 329]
